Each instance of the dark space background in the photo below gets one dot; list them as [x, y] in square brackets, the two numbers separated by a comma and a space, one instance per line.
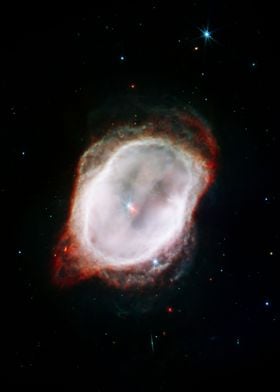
[222, 318]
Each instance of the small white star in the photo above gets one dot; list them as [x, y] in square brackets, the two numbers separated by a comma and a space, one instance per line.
[155, 262]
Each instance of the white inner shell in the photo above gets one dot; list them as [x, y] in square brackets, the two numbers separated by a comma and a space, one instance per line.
[137, 204]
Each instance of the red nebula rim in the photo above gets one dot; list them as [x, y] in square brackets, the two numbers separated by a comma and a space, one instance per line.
[186, 132]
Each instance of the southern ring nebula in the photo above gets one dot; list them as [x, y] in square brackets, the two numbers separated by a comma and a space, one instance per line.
[131, 220]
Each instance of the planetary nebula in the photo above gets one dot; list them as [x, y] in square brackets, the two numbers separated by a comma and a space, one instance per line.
[131, 221]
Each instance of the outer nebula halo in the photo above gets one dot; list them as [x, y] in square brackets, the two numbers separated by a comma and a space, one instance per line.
[131, 220]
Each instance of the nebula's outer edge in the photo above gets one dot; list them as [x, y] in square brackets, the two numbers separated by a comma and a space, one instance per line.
[73, 262]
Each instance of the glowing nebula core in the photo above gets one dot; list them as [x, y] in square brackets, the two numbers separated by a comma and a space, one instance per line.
[132, 213]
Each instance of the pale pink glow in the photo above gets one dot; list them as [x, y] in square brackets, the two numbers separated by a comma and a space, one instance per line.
[131, 219]
[138, 202]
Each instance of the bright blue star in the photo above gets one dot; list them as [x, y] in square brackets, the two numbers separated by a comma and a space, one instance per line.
[206, 34]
